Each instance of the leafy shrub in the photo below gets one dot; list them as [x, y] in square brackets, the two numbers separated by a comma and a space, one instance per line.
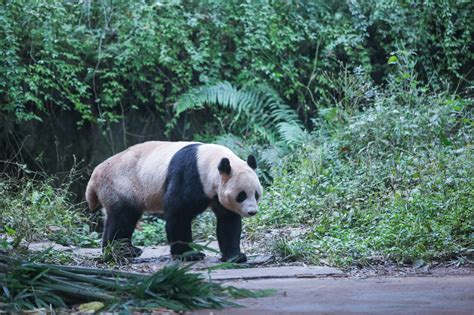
[204, 227]
[107, 60]
[258, 112]
[151, 231]
[390, 183]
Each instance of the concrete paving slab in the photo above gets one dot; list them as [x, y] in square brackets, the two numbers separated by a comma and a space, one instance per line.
[39, 246]
[88, 252]
[275, 272]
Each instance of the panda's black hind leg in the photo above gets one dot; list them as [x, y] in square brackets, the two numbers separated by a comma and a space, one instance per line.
[119, 226]
[229, 230]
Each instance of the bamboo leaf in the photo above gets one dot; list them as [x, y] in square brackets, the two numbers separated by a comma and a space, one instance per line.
[28, 286]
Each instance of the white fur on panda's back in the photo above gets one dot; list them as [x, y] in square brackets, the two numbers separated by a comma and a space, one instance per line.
[139, 171]
[153, 171]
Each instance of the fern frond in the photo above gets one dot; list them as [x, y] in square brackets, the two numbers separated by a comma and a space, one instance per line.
[264, 110]
[222, 93]
[292, 134]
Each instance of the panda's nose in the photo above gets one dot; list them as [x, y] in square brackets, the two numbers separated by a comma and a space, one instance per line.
[252, 213]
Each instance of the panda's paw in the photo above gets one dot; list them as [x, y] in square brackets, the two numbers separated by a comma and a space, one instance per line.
[135, 251]
[191, 256]
[120, 249]
[239, 258]
[130, 251]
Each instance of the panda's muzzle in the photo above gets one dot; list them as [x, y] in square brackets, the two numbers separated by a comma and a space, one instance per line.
[250, 211]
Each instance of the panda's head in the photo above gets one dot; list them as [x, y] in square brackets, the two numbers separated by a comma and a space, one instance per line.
[239, 188]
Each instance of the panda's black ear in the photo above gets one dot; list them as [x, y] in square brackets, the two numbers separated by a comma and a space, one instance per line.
[224, 166]
[252, 161]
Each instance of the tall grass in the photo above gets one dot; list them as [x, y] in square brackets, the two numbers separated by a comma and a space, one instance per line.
[35, 207]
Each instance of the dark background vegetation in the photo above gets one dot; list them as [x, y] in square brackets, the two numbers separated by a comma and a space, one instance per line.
[90, 78]
[360, 111]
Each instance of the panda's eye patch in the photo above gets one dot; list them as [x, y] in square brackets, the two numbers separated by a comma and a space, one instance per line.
[256, 195]
[241, 196]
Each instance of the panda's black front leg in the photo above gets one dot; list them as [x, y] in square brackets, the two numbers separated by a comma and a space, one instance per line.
[179, 234]
[229, 229]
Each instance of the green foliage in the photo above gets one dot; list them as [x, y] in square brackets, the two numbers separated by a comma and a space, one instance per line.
[106, 60]
[204, 227]
[52, 256]
[34, 209]
[150, 232]
[393, 182]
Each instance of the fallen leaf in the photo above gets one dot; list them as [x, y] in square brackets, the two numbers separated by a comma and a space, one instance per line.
[91, 307]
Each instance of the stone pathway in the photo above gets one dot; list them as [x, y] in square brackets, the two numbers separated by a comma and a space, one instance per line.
[153, 257]
[275, 273]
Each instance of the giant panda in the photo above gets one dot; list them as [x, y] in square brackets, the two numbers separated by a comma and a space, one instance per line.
[178, 180]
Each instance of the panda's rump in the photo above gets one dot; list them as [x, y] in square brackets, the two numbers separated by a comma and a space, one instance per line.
[114, 180]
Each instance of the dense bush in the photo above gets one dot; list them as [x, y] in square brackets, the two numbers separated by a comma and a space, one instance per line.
[104, 60]
[391, 183]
